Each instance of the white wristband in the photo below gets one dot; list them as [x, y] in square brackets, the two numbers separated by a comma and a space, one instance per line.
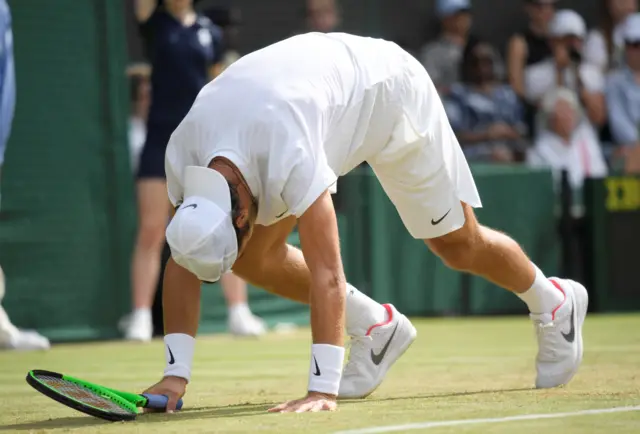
[178, 349]
[325, 371]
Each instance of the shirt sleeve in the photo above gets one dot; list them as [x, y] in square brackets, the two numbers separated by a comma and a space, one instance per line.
[595, 50]
[592, 79]
[623, 129]
[300, 190]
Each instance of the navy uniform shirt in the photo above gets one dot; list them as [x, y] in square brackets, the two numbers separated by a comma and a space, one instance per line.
[180, 58]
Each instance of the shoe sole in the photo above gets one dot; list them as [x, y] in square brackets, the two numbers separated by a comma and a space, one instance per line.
[390, 360]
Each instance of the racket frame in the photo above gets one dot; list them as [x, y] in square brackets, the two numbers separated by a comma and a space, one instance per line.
[78, 405]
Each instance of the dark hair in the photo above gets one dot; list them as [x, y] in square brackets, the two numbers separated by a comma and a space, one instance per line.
[466, 64]
[236, 209]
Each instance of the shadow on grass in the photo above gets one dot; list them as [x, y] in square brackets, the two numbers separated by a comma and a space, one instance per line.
[438, 396]
[190, 414]
[237, 410]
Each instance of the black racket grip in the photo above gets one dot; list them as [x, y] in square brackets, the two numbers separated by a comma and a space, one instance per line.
[159, 402]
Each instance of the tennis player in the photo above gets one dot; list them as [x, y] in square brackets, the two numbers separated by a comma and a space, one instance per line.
[261, 150]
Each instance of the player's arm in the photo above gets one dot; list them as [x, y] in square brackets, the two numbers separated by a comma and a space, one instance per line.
[318, 230]
[181, 311]
[143, 9]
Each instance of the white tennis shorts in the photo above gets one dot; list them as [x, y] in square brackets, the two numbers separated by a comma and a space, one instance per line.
[422, 169]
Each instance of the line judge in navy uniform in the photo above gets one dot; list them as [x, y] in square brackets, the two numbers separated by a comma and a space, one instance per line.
[184, 49]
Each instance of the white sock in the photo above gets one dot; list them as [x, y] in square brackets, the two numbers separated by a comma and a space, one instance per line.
[362, 312]
[239, 309]
[543, 296]
[142, 312]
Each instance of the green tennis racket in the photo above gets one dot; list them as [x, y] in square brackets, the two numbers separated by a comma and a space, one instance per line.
[93, 399]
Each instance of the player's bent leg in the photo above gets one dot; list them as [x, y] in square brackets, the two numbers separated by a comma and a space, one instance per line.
[379, 333]
[558, 307]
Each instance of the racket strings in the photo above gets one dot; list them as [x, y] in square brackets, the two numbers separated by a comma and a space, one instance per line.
[83, 394]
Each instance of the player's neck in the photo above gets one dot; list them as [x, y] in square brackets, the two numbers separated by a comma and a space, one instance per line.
[234, 177]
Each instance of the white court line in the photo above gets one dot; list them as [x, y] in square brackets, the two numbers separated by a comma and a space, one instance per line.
[427, 425]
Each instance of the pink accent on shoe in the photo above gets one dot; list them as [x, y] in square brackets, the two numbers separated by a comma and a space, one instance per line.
[557, 285]
[383, 323]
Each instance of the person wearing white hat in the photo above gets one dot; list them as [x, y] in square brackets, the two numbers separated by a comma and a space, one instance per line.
[623, 97]
[261, 150]
[566, 68]
[565, 142]
[604, 45]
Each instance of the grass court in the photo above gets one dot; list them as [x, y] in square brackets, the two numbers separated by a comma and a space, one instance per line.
[458, 369]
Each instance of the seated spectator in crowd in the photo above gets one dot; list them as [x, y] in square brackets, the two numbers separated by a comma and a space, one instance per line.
[623, 97]
[530, 46]
[442, 57]
[567, 69]
[565, 140]
[485, 114]
[604, 46]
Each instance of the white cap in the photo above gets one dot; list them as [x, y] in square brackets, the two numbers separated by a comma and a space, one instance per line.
[201, 234]
[631, 29]
[567, 23]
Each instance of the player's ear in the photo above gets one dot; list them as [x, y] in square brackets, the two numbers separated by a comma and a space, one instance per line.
[242, 218]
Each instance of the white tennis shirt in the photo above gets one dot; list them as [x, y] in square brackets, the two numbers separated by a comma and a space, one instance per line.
[293, 117]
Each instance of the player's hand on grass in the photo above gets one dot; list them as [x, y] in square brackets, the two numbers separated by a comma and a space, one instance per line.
[313, 402]
[173, 388]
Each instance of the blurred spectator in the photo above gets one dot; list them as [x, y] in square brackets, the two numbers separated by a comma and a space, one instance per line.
[565, 141]
[229, 19]
[604, 46]
[11, 337]
[185, 50]
[442, 57]
[532, 45]
[567, 69]
[140, 95]
[485, 114]
[322, 16]
[623, 97]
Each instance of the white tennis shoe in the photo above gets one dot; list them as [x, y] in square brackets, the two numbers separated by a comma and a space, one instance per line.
[560, 336]
[137, 326]
[372, 355]
[246, 324]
